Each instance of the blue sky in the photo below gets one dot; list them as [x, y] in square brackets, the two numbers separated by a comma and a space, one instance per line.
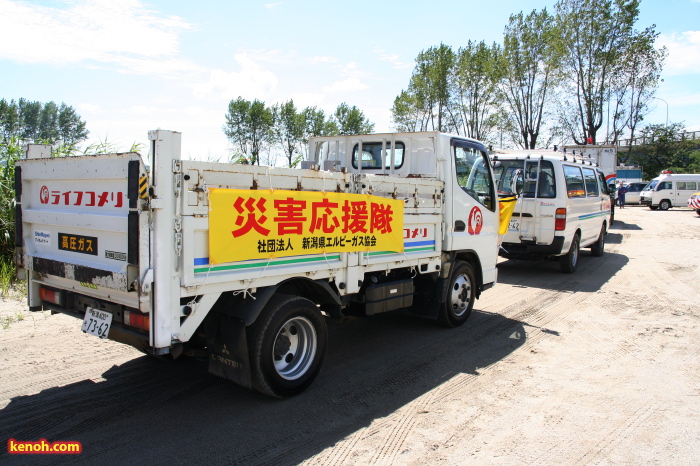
[129, 66]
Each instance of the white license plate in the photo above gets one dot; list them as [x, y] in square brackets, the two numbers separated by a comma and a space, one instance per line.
[513, 226]
[97, 322]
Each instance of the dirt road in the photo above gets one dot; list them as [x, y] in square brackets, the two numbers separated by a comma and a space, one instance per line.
[599, 367]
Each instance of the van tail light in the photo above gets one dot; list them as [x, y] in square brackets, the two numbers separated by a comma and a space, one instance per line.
[138, 320]
[52, 296]
[560, 220]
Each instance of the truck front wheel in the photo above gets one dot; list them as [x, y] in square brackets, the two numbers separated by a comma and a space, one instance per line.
[460, 296]
[287, 344]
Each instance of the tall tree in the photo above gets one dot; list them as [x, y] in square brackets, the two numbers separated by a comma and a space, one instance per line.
[596, 34]
[475, 107]
[425, 104]
[249, 126]
[289, 130]
[351, 120]
[531, 59]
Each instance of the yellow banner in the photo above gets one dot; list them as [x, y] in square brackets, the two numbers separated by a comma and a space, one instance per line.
[245, 224]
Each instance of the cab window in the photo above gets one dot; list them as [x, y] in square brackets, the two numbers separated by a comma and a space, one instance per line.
[664, 185]
[372, 155]
[574, 181]
[474, 174]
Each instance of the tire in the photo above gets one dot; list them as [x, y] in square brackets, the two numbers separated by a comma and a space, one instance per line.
[697, 211]
[598, 248]
[286, 344]
[460, 296]
[569, 262]
[664, 204]
[652, 207]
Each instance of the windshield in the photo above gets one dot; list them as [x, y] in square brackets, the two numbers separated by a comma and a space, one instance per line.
[651, 186]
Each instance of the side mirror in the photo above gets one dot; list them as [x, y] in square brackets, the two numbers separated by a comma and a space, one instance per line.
[516, 183]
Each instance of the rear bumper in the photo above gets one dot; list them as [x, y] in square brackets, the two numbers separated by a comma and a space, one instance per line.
[531, 250]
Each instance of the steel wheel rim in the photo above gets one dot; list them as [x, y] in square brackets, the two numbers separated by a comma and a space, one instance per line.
[294, 348]
[460, 295]
[574, 255]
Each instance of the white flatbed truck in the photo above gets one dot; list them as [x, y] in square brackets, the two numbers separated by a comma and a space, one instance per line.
[242, 264]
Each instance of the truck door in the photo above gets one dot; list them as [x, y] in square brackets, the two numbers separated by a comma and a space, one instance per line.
[474, 205]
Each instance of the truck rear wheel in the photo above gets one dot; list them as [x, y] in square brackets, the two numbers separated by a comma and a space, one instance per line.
[287, 344]
[460, 296]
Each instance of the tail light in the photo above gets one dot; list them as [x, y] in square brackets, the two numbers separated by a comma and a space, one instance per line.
[138, 320]
[52, 296]
[560, 220]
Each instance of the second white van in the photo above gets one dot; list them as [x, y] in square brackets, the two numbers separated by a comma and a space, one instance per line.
[670, 190]
[564, 205]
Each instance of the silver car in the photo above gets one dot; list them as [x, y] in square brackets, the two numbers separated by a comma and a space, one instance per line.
[633, 190]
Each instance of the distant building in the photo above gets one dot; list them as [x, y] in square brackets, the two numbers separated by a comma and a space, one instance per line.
[629, 173]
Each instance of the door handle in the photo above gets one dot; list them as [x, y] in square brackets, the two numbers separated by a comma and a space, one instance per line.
[460, 226]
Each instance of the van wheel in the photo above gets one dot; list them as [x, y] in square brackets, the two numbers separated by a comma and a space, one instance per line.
[460, 296]
[664, 205]
[569, 261]
[653, 207]
[598, 248]
[286, 344]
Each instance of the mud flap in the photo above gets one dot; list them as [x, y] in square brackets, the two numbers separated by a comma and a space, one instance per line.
[228, 349]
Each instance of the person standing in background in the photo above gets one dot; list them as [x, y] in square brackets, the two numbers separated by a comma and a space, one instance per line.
[621, 190]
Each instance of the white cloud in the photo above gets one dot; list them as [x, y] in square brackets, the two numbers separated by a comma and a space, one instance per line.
[684, 52]
[392, 58]
[350, 84]
[270, 6]
[121, 32]
[252, 82]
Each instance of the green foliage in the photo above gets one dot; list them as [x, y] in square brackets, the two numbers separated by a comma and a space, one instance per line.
[606, 61]
[532, 55]
[664, 148]
[53, 124]
[559, 76]
[475, 105]
[249, 126]
[694, 166]
[351, 120]
[252, 127]
[289, 130]
[10, 152]
[452, 92]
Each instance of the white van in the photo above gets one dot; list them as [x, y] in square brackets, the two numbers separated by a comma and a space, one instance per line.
[670, 190]
[565, 205]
